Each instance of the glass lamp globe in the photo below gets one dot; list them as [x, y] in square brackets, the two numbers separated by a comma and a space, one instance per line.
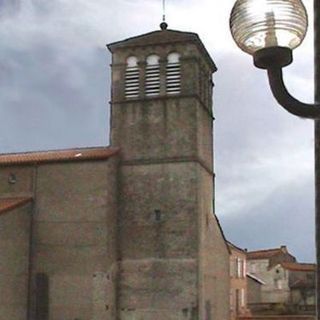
[259, 24]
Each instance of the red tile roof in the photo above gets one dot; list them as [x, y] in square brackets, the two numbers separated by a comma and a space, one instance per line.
[8, 204]
[265, 254]
[294, 266]
[80, 154]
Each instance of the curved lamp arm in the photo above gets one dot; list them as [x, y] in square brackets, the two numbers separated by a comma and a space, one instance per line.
[286, 100]
[273, 59]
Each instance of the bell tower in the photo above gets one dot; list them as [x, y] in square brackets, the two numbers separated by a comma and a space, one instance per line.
[162, 120]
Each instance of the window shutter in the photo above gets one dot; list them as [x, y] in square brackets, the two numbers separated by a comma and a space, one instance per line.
[152, 85]
[173, 75]
[132, 78]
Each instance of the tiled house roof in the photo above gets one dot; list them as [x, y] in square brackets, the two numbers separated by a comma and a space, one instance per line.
[80, 154]
[8, 204]
[294, 266]
[267, 254]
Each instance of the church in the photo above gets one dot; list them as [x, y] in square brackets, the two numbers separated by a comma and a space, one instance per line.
[128, 231]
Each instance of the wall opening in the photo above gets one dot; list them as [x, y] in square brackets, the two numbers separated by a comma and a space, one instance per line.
[42, 296]
[173, 76]
[152, 85]
[132, 78]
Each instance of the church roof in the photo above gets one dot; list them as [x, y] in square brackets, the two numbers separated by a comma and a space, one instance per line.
[80, 154]
[162, 37]
[8, 204]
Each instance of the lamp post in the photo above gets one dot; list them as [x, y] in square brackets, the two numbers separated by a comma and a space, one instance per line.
[269, 30]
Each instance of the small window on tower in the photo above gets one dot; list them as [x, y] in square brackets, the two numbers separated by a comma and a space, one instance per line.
[132, 78]
[153, 76]
[173, 73]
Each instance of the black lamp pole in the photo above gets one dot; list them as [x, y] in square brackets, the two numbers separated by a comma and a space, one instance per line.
[317, 145]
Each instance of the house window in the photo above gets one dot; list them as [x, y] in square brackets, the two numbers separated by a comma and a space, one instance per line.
[231, 299]
[242, 299]
[132, 78]
[238, 267]
[244, 268]
[173, 76]
[278, 284]
[12, 179]
[152, 84]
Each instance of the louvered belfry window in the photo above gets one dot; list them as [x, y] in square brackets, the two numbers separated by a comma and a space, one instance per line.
[173, 76]
[132, 78]
[152, 84]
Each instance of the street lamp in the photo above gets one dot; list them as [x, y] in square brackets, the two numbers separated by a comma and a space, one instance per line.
[269, 30]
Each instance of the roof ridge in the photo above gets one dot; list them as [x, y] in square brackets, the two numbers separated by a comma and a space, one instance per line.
[57, 150]
[76, 154]
[150, 33]
[163, 37]
[263, 250]
[298, 266]
[298, 263]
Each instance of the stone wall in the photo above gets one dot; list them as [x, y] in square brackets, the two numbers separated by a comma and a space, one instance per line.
[74, 242]
[254, 291]
[16, 181]
[14, 263]
[214, 279]
[159, 241]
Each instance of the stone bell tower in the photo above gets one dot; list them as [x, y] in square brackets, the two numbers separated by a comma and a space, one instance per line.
[171, 251]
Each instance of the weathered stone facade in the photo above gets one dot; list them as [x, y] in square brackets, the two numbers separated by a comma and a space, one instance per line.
[129, 234]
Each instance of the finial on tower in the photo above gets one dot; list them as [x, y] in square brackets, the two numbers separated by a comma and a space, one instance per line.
[163, 24]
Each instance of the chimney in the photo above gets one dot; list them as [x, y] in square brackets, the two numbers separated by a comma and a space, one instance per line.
[284, 249]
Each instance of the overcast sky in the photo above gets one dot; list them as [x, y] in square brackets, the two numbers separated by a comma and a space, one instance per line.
[54, 84]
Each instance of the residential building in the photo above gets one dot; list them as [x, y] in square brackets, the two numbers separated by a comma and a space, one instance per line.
[127, 231]
[261, 264]
[287, 286]
[302, 280]
[238, 281]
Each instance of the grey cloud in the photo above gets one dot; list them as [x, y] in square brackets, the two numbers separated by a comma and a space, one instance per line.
[285, 217]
